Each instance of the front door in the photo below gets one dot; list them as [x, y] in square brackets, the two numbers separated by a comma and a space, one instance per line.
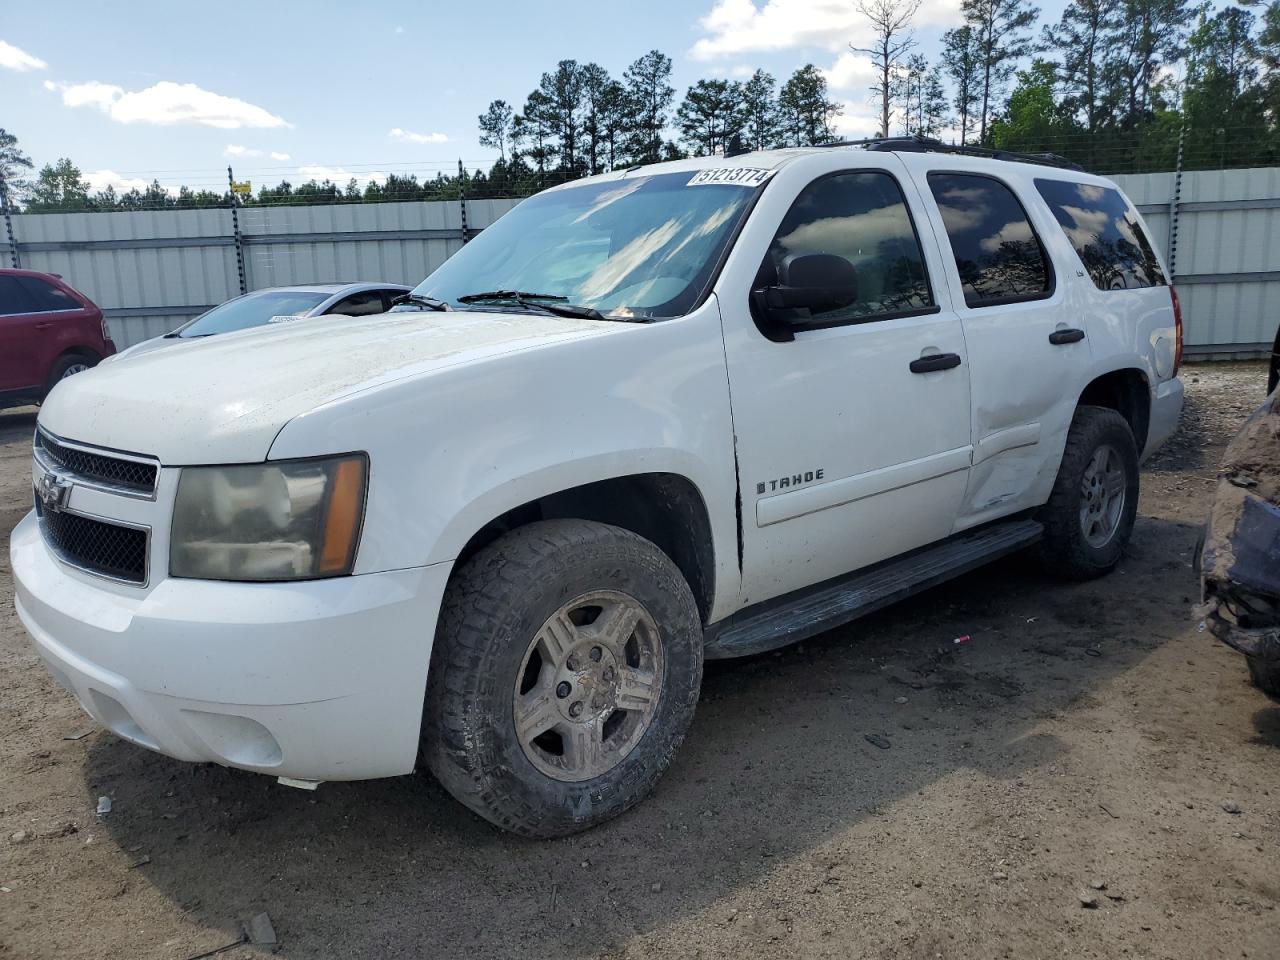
[852, 425]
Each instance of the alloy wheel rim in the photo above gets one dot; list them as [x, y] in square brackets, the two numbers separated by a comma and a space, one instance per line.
[1103, 492]
[73, 370]
[588, 686]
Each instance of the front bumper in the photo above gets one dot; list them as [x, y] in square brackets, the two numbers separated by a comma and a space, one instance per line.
[321, 680]
[1166, 409]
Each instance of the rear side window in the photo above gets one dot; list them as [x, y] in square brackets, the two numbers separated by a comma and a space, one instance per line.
[359, 304]
[1112, 244]
[14, 298]
[862, 217]
[998, 255]
[47, 296]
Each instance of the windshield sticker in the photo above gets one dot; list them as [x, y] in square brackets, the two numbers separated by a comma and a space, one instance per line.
[731, 176]
[285, 319]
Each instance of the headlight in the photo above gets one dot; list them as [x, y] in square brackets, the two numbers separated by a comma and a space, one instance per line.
[287, 520]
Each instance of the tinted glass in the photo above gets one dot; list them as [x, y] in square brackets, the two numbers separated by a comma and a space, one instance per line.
[47, 296]
[863, 218]
[998, 254]
[359, 304]
[253, 310]
[14, 299]
[1110, 241]
[641, 246]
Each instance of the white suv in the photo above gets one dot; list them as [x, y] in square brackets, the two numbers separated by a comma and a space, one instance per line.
[692, 410]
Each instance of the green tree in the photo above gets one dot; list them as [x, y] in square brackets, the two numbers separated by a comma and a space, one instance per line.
[1149, 35]
[1001, 33]
[561, 102]
[495, 127]
[648, 84]
[59, 187]
[761, 126]
[964, 69]
[711, 115]
[596, 84]
[1081, 40]
[13, 166]
[805, 110]
[892, 40]
[1035, 118]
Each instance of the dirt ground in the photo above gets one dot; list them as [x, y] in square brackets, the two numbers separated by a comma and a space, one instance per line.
[1081, 744]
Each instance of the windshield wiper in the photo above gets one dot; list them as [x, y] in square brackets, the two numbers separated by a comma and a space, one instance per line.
[431, 303]
[533, 301]
[508, 295]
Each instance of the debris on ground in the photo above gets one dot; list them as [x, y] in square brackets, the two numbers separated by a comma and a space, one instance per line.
[964, 638]
[1231, 806]
[259, 929]
[79, 735]
[878, 741]
[1088, 902]
[104, 805]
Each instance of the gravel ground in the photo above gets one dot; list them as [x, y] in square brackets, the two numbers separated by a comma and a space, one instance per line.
[1053, 787]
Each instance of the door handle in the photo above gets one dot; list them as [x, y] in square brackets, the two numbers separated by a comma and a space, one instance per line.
[1069, 335]
[935, 361]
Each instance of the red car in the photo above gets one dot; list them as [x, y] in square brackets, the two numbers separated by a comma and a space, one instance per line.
[47, 331]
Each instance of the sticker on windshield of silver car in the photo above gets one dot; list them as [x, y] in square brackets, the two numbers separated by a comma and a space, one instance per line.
[731, 176]
[289, 318]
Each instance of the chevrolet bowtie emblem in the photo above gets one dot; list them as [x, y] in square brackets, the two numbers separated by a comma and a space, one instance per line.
[53, 491]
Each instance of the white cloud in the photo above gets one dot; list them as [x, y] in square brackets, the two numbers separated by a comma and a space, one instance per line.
[12, 58]
[167, 103]
[338, 175]
[851, 71]
[101, 179]
[399, 29]
[239, 150]
[408, 136]
[857, 121]
[740, 26]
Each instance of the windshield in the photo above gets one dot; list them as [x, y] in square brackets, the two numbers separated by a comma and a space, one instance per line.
[252, 310]
[640, 247]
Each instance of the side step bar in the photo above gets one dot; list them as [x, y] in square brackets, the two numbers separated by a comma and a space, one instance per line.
[806, 613]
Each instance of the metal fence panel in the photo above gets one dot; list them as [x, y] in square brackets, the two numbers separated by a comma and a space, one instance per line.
[152, 270]
[1227, 259]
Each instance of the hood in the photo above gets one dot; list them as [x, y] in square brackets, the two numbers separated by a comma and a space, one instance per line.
[224, 399]
[146, 346]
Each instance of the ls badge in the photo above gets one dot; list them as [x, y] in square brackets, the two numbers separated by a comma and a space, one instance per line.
[53, 491]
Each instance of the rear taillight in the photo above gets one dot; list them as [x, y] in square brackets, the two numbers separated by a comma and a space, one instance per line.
[106, 331]
[1177, 330]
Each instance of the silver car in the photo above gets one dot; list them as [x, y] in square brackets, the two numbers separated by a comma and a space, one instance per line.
[278, 305]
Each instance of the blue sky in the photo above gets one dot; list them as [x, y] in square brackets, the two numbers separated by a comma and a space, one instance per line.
[292, 90]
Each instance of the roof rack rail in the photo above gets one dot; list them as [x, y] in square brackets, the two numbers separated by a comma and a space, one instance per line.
[920, 144]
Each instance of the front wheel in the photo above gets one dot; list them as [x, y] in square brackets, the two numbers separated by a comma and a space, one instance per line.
[566, 670]
[1090, 514]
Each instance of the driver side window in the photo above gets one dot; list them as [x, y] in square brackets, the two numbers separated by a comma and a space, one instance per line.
[861, 217]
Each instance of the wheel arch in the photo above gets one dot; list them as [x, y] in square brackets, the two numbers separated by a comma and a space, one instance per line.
[1127, 391]
[667, 509]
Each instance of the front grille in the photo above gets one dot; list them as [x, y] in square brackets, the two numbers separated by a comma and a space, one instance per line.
[95, 545]
[100, 468]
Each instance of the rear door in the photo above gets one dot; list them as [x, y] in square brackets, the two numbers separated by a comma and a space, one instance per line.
[849, 449]
[20, 366]
[1028, 352]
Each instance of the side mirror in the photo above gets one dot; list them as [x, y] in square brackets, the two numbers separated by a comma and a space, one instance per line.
[809, 283]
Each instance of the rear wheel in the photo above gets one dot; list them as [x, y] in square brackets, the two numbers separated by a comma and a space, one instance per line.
[1090, 514]
[566, 671]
